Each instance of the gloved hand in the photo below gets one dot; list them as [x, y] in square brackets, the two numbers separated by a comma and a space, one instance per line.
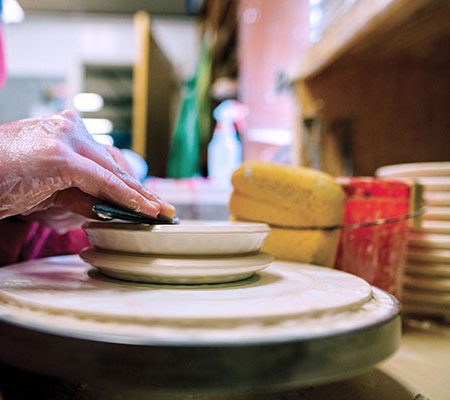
[54, 162]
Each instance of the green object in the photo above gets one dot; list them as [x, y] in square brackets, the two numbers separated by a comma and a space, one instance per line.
[184, 156]
[202, 90]
[193, 127]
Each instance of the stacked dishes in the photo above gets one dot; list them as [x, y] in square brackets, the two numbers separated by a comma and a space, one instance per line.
[427, 274]
[193, 252]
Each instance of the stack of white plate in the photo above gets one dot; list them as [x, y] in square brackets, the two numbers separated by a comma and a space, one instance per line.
[193, 252]
[427, 275]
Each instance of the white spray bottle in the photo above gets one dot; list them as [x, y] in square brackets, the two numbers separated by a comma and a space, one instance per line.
[224, 149]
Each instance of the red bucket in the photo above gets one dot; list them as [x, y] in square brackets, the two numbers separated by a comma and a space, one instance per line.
[375, 252]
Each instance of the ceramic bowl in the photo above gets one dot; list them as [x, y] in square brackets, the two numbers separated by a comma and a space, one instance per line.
[187, 238]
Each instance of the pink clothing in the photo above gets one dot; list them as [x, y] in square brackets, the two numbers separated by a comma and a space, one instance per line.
[24, 240]
[2, 61]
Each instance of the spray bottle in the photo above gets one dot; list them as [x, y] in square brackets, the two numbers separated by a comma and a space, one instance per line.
[224, 149]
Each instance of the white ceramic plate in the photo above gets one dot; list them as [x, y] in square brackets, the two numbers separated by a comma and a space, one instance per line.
[172, 269]
[426, 297]
[432, 284]
[188, 238]
[428, 255]
[439, 199]
[429, 240]
[415, 169]
[429, 183]
[426, 309]
[428, 269]
[434, 183]
[437, 214]
[433, 227]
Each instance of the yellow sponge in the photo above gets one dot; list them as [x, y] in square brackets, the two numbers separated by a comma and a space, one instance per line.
[285, 195]
[292, 197]
[306, 246]
[310, 247]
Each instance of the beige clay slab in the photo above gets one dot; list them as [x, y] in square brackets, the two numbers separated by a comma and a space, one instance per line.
[67, 286]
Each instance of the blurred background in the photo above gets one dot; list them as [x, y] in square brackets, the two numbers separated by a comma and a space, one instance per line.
[344, 86]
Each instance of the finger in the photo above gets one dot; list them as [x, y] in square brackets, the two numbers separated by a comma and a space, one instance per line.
[101, 156]
[97, 181]
[104, 158]
[78, 202]
[119, 159]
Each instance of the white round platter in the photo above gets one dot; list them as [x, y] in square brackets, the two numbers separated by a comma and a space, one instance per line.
[438, 199]
[187, 238]
[281, 291]
[415, 169]
[429, 183]
[432, 284]
[429, 240]
[438, 299]
[433, 227]
[428, 255]
[295, 326]
[176, 269]
[426, 309]
[433, 183]
[428, 269]
[437, 214]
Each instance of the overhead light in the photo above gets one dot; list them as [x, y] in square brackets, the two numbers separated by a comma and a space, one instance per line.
[104, 139]
[98, 126]
[88, 102]
[12, 12]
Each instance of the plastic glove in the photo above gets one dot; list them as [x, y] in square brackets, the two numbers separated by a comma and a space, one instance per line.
[55, 162]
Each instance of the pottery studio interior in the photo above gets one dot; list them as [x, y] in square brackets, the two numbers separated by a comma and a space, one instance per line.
[224, 199]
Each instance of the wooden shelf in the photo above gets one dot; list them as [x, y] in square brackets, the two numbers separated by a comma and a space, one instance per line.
[374, 29]
[381, 75]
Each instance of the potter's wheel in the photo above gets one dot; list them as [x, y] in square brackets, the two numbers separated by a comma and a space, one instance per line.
[291, 325]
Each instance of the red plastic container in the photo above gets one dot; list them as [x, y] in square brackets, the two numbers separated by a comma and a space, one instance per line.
[375, 253]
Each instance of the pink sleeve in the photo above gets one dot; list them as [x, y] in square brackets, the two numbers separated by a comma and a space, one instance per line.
[24, 240]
